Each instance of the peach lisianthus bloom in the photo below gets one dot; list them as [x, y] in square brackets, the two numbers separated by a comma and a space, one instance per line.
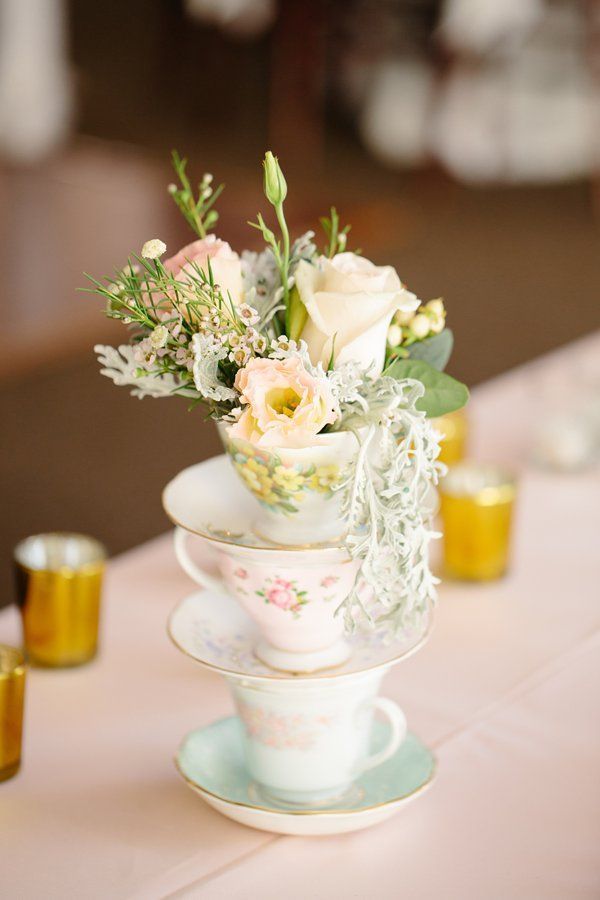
[224, 262]
[287, 406]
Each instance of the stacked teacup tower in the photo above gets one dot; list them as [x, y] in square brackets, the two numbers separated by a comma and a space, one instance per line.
[323, 373]
[305, 738]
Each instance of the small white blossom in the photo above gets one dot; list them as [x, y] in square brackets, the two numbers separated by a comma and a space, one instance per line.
[159, 337]
[282, 345]
[144, 353]
[240, 356]
[260, 344]
[184, 356]
[248, 314]
[153, 249]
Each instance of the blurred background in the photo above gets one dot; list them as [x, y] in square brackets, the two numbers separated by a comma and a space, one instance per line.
[459, 137]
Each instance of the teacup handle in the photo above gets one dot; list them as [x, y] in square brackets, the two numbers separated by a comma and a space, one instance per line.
[191, 568]
[397, 721]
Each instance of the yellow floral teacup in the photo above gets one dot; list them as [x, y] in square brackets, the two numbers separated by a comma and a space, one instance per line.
[300, 490]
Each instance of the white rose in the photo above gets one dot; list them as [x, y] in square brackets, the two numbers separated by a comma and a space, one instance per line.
[350, 303]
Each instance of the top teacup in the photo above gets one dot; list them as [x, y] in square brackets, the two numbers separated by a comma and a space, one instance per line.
[209, 500]
[299, 490]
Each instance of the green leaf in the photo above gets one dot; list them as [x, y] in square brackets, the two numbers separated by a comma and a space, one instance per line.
[297, 315]
[443, 394]
[434, 350]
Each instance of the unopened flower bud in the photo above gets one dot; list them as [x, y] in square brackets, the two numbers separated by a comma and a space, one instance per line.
[436, 307]
[436, 324]
[403, 318]
[275, 186]
[394, 335]
[153, 249]
[420, 326]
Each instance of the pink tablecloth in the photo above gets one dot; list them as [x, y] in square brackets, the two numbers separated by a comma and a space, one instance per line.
[506, 691]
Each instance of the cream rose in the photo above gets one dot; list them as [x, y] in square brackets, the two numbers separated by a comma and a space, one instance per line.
[352, 300]
[286, 405]
[224, 262]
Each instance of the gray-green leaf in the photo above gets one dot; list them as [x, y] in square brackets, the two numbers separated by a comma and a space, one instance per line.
[443, 394]
[434, 350]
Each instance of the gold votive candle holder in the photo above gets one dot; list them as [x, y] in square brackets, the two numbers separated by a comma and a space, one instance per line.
[12, 695]
[59, 583]
[476, 505]
[453, 428]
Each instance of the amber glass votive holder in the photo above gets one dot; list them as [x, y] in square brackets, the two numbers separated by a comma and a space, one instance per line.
[59, 583]
[476, 505]
[453, 427]
[12, 694]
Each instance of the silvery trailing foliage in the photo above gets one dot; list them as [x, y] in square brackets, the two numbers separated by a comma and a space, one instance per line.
[207, 356]
[119, 364]
[388, 504]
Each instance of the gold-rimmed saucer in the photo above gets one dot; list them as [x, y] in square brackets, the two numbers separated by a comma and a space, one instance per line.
[209, 500]
[211, 762]
[217, 633]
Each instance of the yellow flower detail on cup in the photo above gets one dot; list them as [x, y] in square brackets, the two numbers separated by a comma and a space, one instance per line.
[324, 479]
[278, 486]
[288, 479]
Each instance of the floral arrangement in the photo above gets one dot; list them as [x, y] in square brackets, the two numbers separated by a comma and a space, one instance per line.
[290, 343]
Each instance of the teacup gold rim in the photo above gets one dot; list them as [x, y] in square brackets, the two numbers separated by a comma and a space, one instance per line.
[315, 676]
[326, 547]
[305, 812]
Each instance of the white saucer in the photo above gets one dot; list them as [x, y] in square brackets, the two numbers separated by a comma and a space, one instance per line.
[217, 633]
[209, 500]
[211, 761]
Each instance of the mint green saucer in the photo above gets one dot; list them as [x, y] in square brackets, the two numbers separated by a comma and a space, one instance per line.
[212, 763]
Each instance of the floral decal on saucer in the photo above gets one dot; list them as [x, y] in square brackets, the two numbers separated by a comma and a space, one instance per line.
[284, 594]
[277, 486]
[296, 732]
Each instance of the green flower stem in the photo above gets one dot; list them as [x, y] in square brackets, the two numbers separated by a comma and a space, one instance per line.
[284, 263]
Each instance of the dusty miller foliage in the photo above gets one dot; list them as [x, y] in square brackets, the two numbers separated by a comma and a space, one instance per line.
[388, 502]
[119, 364]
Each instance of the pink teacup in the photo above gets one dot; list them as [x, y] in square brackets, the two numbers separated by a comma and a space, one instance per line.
[292, 595]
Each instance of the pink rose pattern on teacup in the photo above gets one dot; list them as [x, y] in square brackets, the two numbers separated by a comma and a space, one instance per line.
[284, 594]
[240, 573]
[295, 732]
[329, 581]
